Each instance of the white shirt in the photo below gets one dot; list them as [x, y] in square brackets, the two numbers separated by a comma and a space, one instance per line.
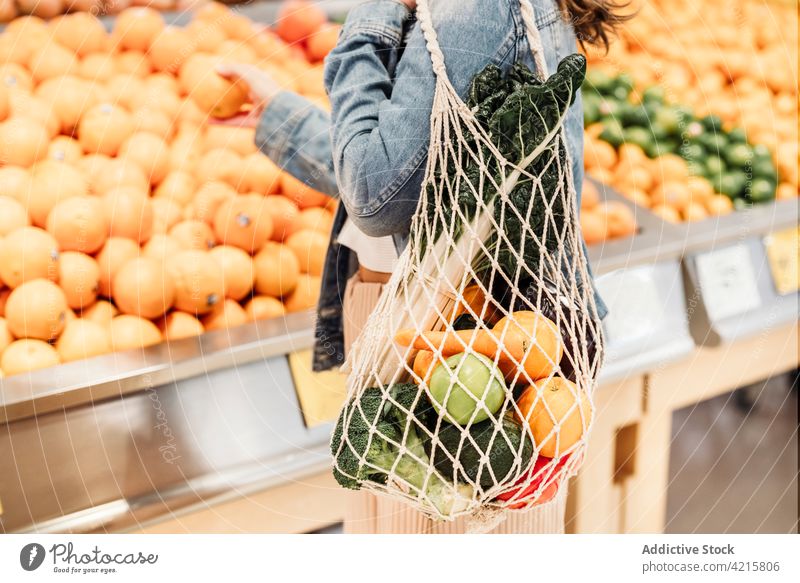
[374, 253]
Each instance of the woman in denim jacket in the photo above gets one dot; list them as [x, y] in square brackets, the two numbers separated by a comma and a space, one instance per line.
[371, 150]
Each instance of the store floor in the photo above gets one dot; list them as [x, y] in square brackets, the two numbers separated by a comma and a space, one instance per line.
[733, 467]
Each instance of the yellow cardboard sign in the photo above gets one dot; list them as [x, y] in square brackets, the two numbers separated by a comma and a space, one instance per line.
[321, 394]
[783, 252]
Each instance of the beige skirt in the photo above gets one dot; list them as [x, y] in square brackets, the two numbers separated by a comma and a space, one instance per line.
[367, 513]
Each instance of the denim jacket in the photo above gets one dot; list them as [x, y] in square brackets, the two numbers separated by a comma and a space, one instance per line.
[371, 151]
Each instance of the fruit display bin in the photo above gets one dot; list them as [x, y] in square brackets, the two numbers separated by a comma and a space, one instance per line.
[129, 439]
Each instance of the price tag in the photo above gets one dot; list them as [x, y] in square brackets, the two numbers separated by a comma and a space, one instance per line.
[783, 253]
[321, 394]
[635, 308]
[728, 282]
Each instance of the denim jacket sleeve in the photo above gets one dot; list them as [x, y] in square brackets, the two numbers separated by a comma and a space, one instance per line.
[295, 134]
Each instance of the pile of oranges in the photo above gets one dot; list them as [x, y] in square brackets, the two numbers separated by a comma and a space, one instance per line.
[662, 185]
[734, 60]
[603, 220]
[126, 218]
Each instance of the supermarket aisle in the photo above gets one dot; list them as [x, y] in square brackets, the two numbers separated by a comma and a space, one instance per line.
[736, 471]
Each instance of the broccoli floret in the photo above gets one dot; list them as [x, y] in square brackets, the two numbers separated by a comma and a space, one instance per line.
[361, 458]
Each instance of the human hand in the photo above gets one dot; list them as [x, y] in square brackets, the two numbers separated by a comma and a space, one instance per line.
[410, 4]
[262, 88]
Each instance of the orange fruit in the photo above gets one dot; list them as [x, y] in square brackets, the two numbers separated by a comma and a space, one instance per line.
[199, 281]
[24, 105]
[78, 224]
[558, 414]
[15, 182]
[51, 183]
[128, 214]
[115, 253]
[166, 214]
[237, 270]
[28, 253]
[128, 332]
[208, 199]
[161, 247]
[124, 89]
[168, 49]
[120, 173]
[177, 325]
[321, 42]
[667, 213]
[97, 67]
[594, 227]
[244, 222]
[236, 139]
[93, 167]
[192, 234]
[69, 97]
[149, 152]
[599, 154]
[83, 338]
[212, 93]
[104, 128]
[52, 60]
[26, 355]
[236, 52]
[284, 213]
[314, 219]
[298, 20]
[221, 165]
[23, 142]
[154, 121]
[263, 307]
[178, 186]
[4, 293]
[6, 337]
[694, 211]
[226, 314]
[36, 309]
[79, 278]
[133, 62]
[260, 175]
[101, 312]
[672, 193]
[305, 295]
[310, 248]
[670, 168]
[159, 86]
[12, 215]
[302, 195]
[135, 28]
[786, 191]
[5, 103]
[700, 188]
[277, 270]
[619, 219]
[14, 76]
[590, 196]
[141, 287]
[65, 149]
[206, 36]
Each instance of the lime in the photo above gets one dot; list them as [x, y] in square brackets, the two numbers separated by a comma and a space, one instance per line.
[599, 80]
[635, 115]
[692, 152]
[760, 190]
[656, 149]
[713, 142]
[625, 81]
[715, 166]
[467, 385]
[741, 204]
[654, 94]
[738, 155]
[591, 110]
[612, 133]
[671, 119]
[731, 183]
[620, 92]
[609, 108]
[712, 123]
[639, 136]
[737, 136]
[696, 168]
[693, 131]
[764, 168]
[761, 151]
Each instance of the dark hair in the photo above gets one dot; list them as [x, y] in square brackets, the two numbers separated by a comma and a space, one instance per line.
[594, 20]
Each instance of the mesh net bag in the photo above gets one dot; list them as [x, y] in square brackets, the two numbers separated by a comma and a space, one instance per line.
[470, 387]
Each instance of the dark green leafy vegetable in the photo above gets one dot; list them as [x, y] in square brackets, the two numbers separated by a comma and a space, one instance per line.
[500, 447]
[368, 455]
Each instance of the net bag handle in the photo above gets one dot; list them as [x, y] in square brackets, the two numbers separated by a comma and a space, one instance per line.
[435, 51]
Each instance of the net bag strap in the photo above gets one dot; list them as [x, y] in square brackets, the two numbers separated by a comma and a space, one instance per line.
[437, 57]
